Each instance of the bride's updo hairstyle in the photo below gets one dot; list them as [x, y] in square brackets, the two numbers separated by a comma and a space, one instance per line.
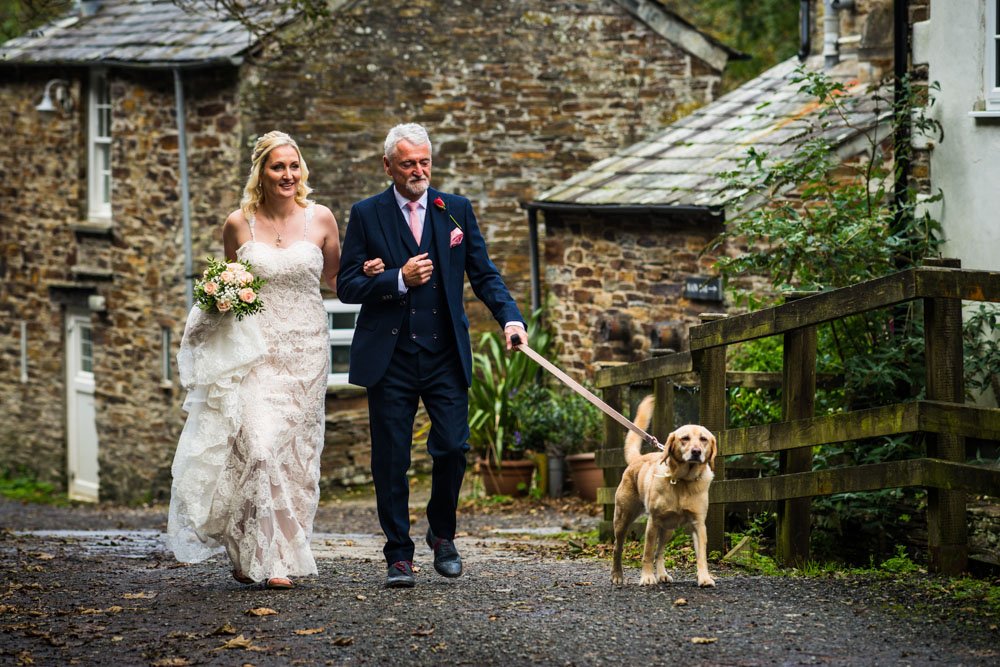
[252, 193]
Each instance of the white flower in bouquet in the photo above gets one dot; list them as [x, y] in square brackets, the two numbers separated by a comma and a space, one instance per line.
[229, 288]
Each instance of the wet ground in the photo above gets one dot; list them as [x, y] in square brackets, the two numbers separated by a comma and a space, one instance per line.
[96, 586]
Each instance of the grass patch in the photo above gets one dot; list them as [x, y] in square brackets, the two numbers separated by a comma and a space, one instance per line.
[26, 489]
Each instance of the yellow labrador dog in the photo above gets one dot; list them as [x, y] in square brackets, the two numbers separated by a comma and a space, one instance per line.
[672, 487]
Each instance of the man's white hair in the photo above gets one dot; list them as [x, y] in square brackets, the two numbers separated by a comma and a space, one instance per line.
[412, 132]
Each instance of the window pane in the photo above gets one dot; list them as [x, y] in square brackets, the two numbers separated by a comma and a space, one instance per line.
[86, 349]
[340, 357]
[342, 320]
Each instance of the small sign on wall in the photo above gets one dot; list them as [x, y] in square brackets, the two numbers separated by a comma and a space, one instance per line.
[703, 288]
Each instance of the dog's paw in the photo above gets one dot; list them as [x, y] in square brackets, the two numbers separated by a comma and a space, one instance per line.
[647, 580]
[664, 578]
[617, 579]
[706, 581]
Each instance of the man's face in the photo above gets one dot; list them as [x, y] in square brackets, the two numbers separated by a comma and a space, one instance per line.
[409, 168]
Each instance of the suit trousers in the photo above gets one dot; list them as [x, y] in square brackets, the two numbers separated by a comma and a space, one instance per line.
[439, 381]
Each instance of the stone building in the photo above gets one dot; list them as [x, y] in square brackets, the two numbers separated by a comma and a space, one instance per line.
[620, 263]
[127, 129]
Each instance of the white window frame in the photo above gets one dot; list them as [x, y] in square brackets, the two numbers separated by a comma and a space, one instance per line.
[98, 146]
[992, 73]
[340, 337]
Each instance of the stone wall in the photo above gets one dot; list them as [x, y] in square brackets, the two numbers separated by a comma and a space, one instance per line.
[39, 192]
[517, 97]
[48, 265]
[615, 285]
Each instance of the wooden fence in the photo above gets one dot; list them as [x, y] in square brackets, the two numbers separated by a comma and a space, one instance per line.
[942, 417]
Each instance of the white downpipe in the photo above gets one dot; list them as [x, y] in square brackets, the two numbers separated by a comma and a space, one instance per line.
[185, 196]
[831, 30]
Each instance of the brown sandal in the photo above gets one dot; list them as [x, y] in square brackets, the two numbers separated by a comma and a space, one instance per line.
[279, 583]
[242, 578]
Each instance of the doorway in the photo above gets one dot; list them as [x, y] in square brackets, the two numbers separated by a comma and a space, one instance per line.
[81, 417]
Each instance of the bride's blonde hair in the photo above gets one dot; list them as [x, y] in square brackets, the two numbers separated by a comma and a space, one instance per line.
[252, 193]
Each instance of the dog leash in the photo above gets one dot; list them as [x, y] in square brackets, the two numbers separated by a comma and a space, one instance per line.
[582, 391]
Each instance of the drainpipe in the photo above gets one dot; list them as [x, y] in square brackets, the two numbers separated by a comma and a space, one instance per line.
[805, 29]
[185, 196]
[901, 140]
[536, 288]
[831, 30]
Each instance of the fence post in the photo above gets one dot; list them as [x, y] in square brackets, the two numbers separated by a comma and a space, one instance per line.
[614, 439]
[798, 391]
[946, 527]
[711, 366]
[663, 409]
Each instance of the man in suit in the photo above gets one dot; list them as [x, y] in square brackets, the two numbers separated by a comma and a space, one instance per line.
[405, 257]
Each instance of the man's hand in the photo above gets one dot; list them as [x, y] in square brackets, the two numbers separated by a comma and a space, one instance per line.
[417, 270]
[515, 329]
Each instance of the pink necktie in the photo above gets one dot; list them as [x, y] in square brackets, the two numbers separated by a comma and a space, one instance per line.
[414, 219]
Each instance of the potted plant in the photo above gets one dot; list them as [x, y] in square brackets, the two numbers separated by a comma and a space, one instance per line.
[567, 427]
[498, 376]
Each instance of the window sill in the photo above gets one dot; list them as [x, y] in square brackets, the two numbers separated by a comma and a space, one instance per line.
[91, 272]
[985, 114]
[95, 226]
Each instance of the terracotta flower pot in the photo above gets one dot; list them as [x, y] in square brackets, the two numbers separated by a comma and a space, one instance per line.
[513, 478]
[586, 476]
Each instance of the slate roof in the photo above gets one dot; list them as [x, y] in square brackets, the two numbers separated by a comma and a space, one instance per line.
[678, 167]
[152, 33]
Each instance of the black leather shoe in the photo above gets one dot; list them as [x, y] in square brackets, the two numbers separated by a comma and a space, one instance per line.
[447, 562]
[400, 575]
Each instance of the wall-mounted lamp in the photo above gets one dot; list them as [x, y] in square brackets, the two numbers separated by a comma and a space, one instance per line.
[62, 97]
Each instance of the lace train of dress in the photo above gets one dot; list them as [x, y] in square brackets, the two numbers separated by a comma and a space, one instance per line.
[246, 471]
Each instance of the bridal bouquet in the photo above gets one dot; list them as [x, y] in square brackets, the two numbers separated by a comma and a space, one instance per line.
[229, 287]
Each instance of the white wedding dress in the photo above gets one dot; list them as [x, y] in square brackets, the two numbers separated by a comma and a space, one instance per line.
[246, 470]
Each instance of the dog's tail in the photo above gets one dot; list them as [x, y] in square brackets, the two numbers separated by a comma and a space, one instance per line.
[643, 417]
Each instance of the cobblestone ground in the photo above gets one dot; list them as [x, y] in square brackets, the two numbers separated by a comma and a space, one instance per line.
[95, 586]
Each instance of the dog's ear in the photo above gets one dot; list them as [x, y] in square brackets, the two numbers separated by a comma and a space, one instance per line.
[668, 448]
[713, 443]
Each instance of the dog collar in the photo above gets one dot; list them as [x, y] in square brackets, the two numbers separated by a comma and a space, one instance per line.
[665, 474]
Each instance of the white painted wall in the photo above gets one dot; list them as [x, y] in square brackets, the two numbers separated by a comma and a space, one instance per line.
[965, 166]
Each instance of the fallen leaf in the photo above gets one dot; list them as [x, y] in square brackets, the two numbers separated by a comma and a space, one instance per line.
[43, 556]
[584, 583]
[236, 642]
[261, 611]
[139, 596]
[7, 609]
[348, 543]
[343, 641]
[226, 629]
[171, 662]
[117, 638]
[361, 597]
[680, 602]
[25, 658]
[423, 632]
[704, 640]
[310, 631]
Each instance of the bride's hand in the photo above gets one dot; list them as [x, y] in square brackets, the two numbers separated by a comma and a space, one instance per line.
[373, 267]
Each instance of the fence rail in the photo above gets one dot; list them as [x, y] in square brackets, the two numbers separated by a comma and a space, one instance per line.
[943, 418]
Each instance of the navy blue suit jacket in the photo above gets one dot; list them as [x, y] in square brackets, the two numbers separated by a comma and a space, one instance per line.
[373, 230]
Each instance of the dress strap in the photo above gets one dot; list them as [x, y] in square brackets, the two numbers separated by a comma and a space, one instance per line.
[309, 217]
[251, 221]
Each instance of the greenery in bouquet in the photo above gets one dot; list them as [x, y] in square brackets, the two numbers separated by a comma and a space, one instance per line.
[229, 287]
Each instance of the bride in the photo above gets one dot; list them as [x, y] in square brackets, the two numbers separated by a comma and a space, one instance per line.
[246, 470]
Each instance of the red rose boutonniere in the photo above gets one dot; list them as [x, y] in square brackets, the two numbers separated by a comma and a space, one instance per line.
[456, 234]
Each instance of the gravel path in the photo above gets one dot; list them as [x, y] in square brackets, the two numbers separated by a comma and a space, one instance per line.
[96, 586]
